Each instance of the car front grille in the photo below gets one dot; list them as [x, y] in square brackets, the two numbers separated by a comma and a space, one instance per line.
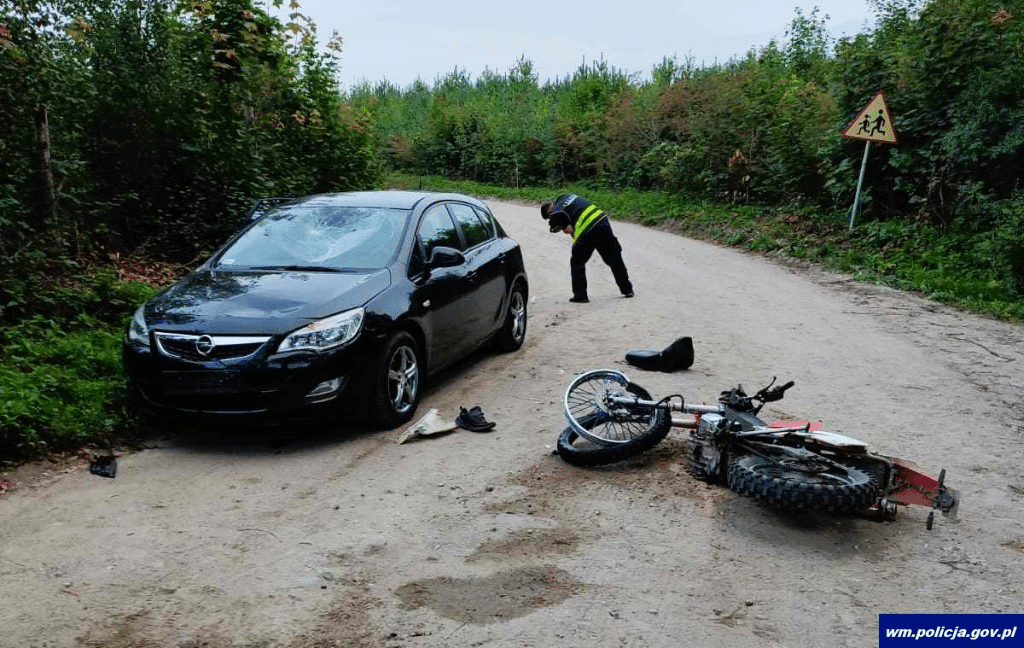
[206, 348]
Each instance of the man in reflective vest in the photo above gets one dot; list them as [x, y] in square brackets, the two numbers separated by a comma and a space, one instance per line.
[590, 230]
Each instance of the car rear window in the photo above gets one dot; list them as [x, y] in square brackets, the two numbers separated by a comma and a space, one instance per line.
[488, 220]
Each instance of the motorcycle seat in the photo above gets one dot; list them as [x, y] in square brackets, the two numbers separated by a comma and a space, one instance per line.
[647, 360]
[676, 356]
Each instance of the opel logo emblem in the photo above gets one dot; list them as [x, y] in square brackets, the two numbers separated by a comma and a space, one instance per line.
[204, 345]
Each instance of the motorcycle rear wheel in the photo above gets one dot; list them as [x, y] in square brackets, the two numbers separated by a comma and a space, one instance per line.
[592, 415]
[790, 488]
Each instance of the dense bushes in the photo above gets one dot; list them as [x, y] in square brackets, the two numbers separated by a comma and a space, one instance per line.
[143, 127]
[764, 128]
[152, 124]
[60, 387]
[61, 384]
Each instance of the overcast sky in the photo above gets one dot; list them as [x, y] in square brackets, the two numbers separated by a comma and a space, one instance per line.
[402, 40]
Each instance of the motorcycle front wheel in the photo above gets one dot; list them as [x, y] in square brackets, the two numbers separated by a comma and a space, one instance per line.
[788, 485]
[575, 450]
[593, 413]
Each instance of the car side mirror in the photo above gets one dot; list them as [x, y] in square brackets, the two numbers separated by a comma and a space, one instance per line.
[445, 257]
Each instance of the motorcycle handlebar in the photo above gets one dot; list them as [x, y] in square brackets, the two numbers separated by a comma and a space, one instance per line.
[770, 394]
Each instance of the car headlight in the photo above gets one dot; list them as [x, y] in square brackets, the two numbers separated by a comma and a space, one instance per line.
[328, 333]
[138, 332]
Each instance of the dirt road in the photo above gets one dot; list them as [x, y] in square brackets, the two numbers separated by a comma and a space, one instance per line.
[345, 538]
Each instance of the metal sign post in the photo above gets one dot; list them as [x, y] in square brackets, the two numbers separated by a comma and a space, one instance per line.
[860, 181]
[873, 124]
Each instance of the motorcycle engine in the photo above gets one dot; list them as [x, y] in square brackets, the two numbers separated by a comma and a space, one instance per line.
[704, 459]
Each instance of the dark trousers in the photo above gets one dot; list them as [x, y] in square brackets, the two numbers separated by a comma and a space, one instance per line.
[599, 237]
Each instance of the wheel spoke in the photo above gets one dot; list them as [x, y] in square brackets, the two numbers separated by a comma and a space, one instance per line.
[601, 431]
[809, 472]
[592, 413]
[403, 377]
[518, 312]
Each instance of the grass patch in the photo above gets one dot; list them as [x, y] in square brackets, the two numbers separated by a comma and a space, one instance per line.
[62, 385]
[59, 389]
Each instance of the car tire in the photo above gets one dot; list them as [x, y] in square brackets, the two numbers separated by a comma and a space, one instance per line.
[398, 381]
[513, 328]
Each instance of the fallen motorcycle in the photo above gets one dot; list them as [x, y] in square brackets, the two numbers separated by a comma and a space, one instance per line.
[792, 465]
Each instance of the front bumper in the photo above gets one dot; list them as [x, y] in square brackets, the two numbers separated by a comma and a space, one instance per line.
[259, 384]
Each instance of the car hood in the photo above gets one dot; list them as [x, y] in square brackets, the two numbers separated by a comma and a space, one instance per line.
[257, 302]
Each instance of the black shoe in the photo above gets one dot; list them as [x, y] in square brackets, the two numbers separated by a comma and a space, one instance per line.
[473, 419]
[628, 295]
[103, 465]
[579, 300]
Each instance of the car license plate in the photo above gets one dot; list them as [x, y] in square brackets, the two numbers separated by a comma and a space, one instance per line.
[201, 382]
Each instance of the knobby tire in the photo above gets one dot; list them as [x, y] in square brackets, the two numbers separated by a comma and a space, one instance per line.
[794, 491]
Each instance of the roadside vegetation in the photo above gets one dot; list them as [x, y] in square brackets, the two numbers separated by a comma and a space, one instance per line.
[139, 132]
[946, 266]
[60, 375]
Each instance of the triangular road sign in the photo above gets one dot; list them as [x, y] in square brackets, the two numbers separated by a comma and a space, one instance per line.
[874, 123]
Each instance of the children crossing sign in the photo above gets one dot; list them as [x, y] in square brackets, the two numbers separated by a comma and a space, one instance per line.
[874, 123]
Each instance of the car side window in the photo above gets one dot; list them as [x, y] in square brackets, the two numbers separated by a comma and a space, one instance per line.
[437, 229]
[473, 229]
[487, 219]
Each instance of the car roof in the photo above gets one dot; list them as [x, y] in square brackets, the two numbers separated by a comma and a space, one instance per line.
[389, 198]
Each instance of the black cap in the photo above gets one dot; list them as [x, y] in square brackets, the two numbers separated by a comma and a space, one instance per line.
[557, 221]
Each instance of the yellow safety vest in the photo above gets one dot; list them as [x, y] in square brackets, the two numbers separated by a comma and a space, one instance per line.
[589, 216]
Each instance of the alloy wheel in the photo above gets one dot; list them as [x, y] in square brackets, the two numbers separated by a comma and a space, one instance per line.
[403, 379]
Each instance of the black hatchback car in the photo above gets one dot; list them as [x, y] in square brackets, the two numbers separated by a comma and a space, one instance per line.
[331, 300]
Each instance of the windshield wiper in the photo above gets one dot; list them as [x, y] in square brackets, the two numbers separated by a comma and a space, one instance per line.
[298, 268]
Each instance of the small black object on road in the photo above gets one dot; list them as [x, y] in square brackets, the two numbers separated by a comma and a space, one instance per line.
[473, 419]
[103, 465]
